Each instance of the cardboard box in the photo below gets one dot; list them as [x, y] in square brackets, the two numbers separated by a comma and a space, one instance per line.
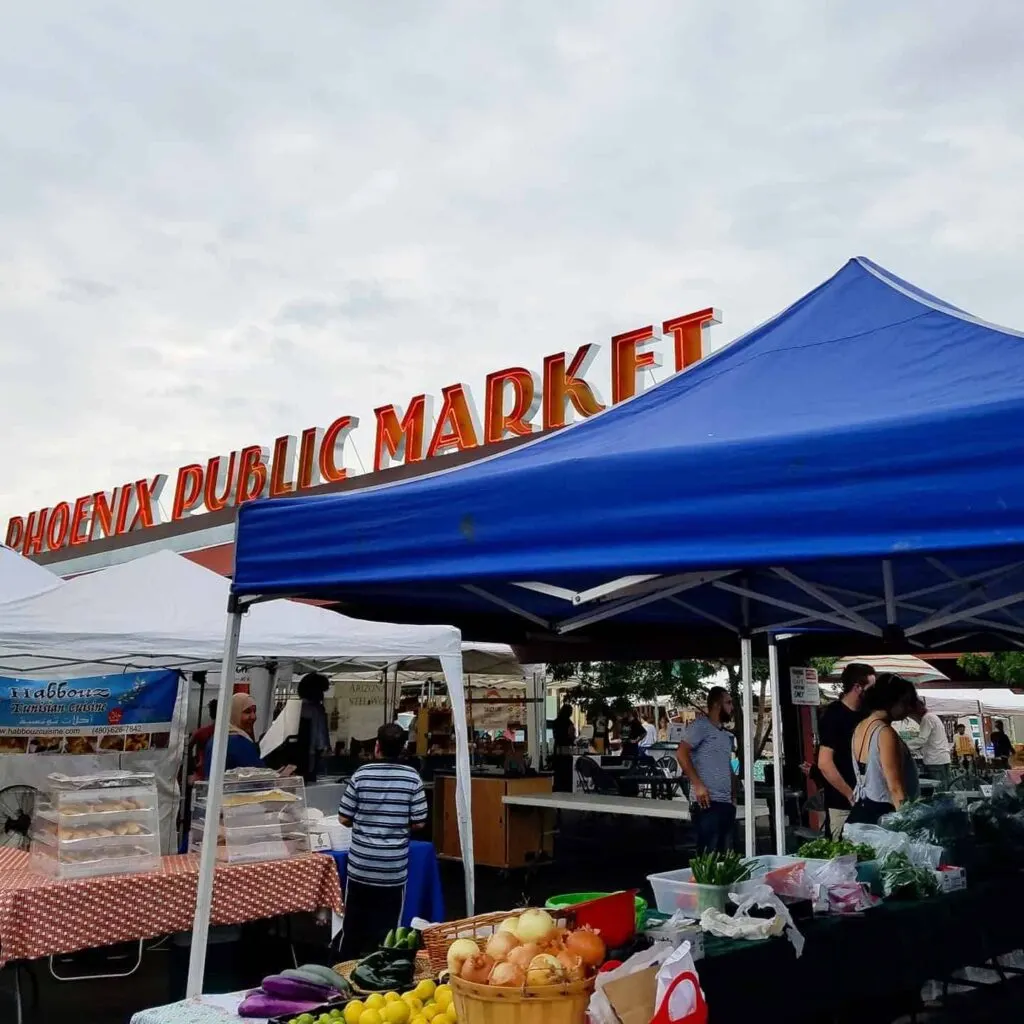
[951, 879]
[632, 998]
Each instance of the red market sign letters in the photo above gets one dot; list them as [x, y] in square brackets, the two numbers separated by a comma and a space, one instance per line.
[513, 398]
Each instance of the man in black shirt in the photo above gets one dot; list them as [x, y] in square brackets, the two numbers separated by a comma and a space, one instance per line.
[835, 757]
[1002, 748]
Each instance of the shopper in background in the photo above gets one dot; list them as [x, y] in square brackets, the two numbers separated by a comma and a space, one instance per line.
[704, 755]
[384, 800]
[197, 744]
[650, 736]
[601, 728]
[1002, 748]
[963, 745]
[885, 770]
[632, 733]
[314, 740]
[835, 759]
[931, 744]
[564, 737]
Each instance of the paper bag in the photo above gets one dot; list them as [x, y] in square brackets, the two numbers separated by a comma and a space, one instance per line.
[632, 997]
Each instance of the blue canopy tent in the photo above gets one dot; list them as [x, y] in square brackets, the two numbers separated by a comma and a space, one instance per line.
[852, 465]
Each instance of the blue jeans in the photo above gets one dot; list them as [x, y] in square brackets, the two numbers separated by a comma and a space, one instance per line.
[715, 827]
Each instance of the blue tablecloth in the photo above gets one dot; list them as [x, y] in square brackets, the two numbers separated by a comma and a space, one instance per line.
[423, 895]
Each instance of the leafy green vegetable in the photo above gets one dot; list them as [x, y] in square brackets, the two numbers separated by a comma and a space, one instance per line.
[904, 880]
[827, 849]
[719, 869]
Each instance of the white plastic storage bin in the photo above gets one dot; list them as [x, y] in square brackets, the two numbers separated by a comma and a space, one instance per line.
[102, 824]
[263, 817]
[676, 890]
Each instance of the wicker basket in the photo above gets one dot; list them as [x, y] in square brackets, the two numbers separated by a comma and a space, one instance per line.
[438, 937]
[552, 1004]
[422, 971]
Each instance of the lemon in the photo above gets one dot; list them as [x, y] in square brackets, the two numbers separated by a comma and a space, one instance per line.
[353, 1011]
[442, 989]
[443, 997]
[370, 1017]
[375, 1002]
[397, 1012]
[452, 1014]
[425, 989]
[430, 1011]
[418, 1019]
[415, 1003]
[391, 997]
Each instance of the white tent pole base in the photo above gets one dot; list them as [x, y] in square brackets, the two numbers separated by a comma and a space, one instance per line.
[215, 775]
[773, 675]
[747, 665]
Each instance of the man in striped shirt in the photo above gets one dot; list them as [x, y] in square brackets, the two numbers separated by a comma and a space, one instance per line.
[383, 801]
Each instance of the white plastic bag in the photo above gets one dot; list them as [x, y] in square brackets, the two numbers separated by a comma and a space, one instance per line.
[600, 1009]
[742, 925]
[884, 842]
[684, 999]
[832, 872]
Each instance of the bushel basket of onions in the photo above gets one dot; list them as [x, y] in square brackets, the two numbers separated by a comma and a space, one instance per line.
[528, 970]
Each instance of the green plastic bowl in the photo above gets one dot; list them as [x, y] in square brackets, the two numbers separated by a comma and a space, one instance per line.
[572, 898]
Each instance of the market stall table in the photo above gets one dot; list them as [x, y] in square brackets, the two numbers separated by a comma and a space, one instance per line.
[424, 897]
[910, 943]
[42, 916]
[596, 803]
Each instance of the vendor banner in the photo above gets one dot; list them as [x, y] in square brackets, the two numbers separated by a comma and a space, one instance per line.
[116, 714]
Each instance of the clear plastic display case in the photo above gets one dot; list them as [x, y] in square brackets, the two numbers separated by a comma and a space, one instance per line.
[102, 824]
[263, 817]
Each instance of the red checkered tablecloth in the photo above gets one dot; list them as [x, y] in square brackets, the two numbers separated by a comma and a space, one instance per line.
[40, 916]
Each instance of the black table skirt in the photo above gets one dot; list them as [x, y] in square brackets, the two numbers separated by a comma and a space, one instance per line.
[886, 953]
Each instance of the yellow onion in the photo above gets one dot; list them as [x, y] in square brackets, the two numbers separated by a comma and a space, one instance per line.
[500, 944]
[588, 945]
[458, 951]
[507, 975]
[545, 969]
[535, 926]
[477, 969]
[510, 924]
[522, 955]
[572, 965]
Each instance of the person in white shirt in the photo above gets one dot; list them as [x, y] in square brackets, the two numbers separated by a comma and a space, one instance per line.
[931, 744]
[650, 734]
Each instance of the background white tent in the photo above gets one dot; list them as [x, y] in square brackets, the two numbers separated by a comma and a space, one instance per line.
[163, 611]
[20, 577]
[950, 701]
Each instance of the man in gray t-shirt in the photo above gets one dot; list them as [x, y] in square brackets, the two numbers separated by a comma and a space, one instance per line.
[705, 755]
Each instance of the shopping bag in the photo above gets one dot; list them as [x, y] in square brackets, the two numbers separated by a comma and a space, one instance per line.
[699, 1013]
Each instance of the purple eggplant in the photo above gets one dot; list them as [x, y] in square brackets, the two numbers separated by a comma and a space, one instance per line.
[262, 1004]
[294, 988]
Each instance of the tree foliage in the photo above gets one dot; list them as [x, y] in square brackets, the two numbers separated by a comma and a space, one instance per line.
[1006, 667]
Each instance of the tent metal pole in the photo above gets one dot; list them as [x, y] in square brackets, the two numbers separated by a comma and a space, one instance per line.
[215, 774]
[747, 665]
[780, 811]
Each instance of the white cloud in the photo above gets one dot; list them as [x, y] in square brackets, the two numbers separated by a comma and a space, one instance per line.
[219, 223]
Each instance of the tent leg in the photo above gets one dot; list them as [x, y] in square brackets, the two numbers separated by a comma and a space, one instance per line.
[773, 675]
[749, 819]
[215, 774]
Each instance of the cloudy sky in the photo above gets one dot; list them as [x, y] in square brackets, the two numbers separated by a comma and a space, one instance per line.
[221, 222]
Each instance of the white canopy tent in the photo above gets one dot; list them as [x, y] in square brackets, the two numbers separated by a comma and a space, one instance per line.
[961, 702]
[163, 611]
[20, 577]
